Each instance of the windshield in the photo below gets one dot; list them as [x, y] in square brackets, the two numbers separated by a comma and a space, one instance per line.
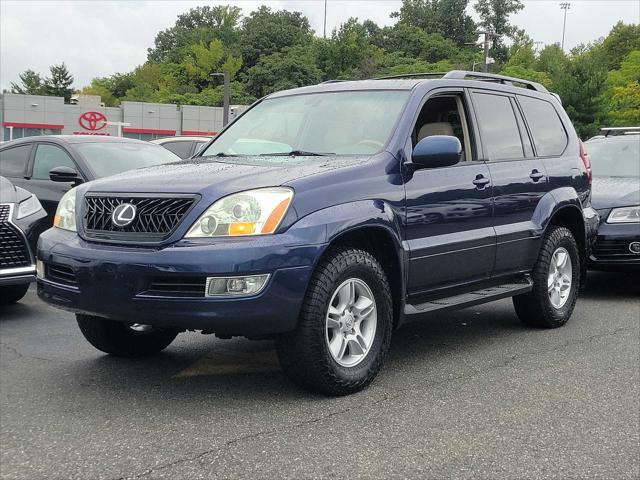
[106, 159]
[340, 123]
[615, 157]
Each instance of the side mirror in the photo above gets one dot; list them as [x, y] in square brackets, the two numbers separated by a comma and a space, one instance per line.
[436, 151]
[65, 174]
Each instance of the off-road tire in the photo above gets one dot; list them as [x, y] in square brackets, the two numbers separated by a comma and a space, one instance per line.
[535, 308]
[12, 293]
[304, 353]
[118, 339]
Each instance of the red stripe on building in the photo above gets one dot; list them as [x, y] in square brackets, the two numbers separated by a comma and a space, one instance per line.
[149, 130]
[195, 133]
[33, 125]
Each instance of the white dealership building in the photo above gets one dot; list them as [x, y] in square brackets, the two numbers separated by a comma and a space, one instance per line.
[30, 115]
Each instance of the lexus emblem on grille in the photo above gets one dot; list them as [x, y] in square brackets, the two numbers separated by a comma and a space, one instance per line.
[123, 214]
[634, 247]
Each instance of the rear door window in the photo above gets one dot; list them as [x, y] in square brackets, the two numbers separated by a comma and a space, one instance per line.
[498, 128]
[549, 135]
[48, 157]
[13, 161]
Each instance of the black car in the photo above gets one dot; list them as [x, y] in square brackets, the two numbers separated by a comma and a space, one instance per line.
[616, 196]
[50, 165]
[21, 218]
[391, 200]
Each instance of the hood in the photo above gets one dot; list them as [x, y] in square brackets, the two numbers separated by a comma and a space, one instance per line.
[611, 192]
[219, 177]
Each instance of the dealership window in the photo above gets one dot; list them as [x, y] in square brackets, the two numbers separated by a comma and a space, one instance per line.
[48, 157]
[28, 132]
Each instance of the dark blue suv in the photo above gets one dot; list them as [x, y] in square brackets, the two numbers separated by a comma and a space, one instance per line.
[327, 216]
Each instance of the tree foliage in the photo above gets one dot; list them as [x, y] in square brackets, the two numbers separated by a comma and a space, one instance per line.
[270, 50]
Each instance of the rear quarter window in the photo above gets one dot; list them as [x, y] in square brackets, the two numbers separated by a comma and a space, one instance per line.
[549, 135]
[13, 161]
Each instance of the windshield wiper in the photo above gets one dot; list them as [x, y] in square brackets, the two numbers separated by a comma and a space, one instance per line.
[297, 153]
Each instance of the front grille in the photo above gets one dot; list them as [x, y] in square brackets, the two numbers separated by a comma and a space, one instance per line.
[60, 273]
[614, 249]
[14, 252]
[178, 286]
[156, 217]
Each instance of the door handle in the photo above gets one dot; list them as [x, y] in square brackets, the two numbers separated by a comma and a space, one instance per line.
[536, 175]
[481, 181]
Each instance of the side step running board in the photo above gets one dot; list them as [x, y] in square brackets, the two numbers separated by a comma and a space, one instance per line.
[477, 297]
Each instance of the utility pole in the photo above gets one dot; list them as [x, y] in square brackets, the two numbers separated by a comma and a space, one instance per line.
[564, 6]
[487, 43]
[325, 19]
[227, 96]
[485, 67]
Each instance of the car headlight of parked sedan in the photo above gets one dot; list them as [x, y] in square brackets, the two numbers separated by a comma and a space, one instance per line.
[253, 212]
[66, 213]
[625, 215]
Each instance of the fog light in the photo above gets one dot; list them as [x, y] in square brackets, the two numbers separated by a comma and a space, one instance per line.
[236, 286]
[39, 269]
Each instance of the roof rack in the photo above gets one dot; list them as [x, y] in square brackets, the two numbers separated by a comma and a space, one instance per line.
[466, 75]
[612, 131]
[411, 75]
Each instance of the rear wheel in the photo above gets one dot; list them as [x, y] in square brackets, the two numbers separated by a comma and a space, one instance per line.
[344, 329]
[556, 278]
[13, 293]
[124, 339]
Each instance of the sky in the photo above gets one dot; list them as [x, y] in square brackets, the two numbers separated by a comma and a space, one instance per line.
[98, 38]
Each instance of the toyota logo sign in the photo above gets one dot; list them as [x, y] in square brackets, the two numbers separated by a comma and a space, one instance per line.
[92, 121]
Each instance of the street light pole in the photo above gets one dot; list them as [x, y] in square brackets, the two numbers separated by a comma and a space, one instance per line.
[227, 96]
[564, 6]
[325, 19]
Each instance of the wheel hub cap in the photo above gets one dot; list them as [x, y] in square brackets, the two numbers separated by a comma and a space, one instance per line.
[351, 322]
[560, 277]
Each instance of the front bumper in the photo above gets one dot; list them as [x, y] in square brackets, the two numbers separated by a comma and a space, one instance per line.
[17, 276]
[114, 281]
[612, 247]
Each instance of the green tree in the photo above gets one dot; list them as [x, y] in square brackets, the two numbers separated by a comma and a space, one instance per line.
[59, 83]
[415, 42]
[198, 25]
[623, 92]
[294, 67]
[494, 17]
[622, 40]
[447, 17]
[31, 83]
[265, 32]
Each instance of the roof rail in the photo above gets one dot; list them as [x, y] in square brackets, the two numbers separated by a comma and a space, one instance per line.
[333, 81]
[612, 131]
[466, 75]
[411, 75]
[492, 77]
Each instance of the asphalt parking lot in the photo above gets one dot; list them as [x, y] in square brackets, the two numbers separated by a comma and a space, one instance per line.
[471, 394]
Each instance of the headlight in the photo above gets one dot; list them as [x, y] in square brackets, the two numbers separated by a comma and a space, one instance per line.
[66, 213]
[625, 215]
[28, 207]
[254, 212]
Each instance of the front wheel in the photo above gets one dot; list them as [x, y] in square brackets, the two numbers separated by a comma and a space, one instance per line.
[345, 325]
[124, 339]
[556, 280]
